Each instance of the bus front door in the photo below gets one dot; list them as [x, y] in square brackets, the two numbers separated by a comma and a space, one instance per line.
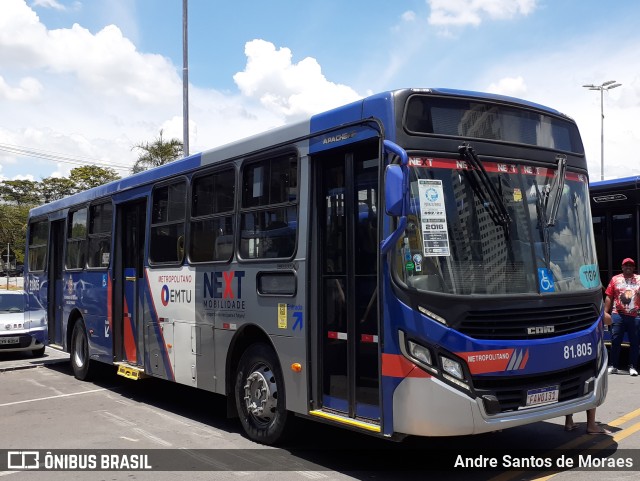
[129, 283]
[347, 256]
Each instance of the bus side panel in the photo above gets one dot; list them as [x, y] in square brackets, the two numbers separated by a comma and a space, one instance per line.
[86, 294]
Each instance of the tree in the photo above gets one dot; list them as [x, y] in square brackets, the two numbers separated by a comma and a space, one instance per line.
[157, 153]
[20, 192]
[13, 228]
[89, 176]
[54, 188]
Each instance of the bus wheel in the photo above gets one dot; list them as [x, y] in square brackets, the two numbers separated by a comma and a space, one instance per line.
[260, 397]
[80, 361]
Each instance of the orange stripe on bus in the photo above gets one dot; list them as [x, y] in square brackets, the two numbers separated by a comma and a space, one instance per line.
[396, 365]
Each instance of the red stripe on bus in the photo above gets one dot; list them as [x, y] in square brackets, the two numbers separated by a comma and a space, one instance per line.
[129, 339]
[508, 168]
[337, 335]
[396, 365]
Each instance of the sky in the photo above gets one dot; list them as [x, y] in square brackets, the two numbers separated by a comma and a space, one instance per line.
[85, 81]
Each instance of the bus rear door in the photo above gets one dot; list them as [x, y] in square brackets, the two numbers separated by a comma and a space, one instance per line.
[129, 283]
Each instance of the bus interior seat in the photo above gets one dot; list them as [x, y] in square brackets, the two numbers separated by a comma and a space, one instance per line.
[223, 247]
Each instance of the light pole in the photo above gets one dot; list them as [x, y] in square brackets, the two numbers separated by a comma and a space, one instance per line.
[608, 85]
[185, 79]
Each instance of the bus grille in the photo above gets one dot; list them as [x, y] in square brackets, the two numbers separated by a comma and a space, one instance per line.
[511, 392]
[528, 323]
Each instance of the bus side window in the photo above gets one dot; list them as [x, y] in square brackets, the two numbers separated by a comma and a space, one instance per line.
[77, 239]
[212, 217]
[269, 201]
[100, 220]
[166, 243]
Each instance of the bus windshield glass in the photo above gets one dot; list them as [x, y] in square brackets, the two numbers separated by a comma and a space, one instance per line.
[454, 244]
[460, 117]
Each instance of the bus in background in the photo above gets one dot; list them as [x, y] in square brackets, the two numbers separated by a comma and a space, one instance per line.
[419, 262]
[615, 206]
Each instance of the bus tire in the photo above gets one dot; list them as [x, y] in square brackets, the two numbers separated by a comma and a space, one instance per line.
[80, 361]
[260, 396]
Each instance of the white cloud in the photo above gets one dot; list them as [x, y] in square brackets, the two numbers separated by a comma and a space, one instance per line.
[49, 4]
[513, 86]
[290, 89]
[29, 88]
[408, 16]
[473, 12]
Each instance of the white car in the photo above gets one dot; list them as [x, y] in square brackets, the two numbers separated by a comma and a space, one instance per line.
[21, 330]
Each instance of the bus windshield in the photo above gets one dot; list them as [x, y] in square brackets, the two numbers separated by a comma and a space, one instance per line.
[454, 244]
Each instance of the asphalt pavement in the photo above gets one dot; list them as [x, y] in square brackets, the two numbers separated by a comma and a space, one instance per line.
[10, 361]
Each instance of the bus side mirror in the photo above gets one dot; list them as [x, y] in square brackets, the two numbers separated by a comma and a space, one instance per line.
[393, 190]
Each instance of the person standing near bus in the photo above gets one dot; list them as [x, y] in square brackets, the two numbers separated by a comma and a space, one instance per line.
[623, 296]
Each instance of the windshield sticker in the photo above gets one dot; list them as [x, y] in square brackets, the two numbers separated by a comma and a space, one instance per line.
[589, 276]
[545, 280]
[417, 261]
[433, 217]
[517, 195]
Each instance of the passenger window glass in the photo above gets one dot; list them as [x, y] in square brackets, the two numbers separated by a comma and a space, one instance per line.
[38, 240]
[100, 221]
[166, 243]
[76, 240]
[212, 204]
[269, 220]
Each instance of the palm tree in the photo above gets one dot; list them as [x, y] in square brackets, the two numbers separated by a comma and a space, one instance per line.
[159, 152]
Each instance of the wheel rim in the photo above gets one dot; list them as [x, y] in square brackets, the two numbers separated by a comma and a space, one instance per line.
[79, 354]
[261, 395]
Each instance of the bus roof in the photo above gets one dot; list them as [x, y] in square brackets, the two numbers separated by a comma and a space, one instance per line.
[623, 182]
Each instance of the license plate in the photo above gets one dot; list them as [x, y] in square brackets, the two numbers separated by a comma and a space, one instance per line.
[543, 395]
[9, 340]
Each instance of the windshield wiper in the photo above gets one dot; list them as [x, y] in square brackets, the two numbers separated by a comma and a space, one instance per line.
[557, 188]
[543, 223]
[478, 177]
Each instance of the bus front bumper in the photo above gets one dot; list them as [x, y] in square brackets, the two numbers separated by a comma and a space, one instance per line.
[430, 407]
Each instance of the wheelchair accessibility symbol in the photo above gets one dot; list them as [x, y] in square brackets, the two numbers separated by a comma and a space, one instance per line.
[545, 280]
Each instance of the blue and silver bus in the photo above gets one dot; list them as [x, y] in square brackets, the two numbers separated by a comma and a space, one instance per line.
[418, 262]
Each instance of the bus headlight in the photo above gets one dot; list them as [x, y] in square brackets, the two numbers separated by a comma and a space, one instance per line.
[420, 353]
[452, 372]
[417, 353]
[454, 368]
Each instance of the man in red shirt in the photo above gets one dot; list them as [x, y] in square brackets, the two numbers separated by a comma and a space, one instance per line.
[623, 295]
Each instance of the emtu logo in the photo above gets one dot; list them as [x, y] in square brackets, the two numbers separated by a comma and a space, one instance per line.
[174, 295]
